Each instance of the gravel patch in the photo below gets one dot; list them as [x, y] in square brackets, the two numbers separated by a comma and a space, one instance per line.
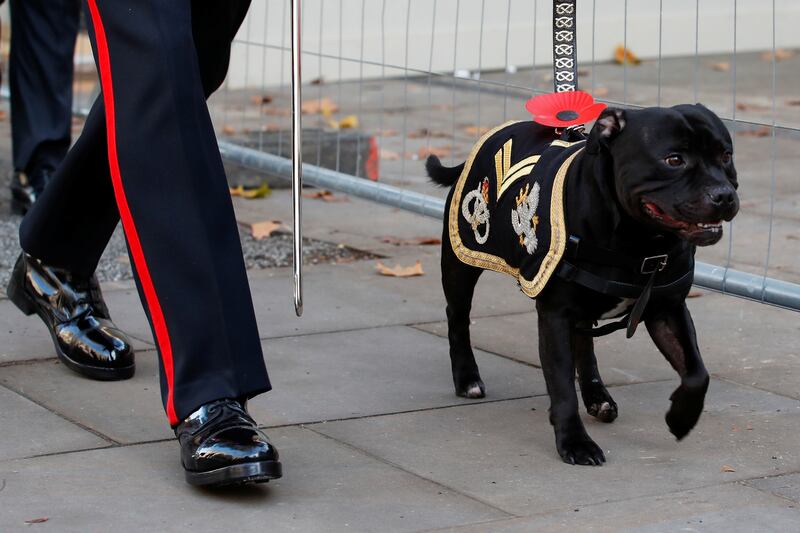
[274, 251]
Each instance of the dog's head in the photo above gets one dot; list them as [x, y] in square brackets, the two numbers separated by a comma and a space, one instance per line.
[673, 168]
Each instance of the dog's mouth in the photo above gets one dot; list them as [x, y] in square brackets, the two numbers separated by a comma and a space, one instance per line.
[700, 233]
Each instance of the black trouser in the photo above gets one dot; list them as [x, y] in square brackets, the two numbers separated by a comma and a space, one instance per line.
[43, 34]
[149, 144]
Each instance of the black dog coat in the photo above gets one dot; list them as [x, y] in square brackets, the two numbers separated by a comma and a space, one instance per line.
[507, 209]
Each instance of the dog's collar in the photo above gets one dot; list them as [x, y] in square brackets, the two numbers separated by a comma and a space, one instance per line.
[637, 276]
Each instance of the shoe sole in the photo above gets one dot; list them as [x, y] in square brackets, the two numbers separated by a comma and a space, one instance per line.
[18, 296]
[242, 474]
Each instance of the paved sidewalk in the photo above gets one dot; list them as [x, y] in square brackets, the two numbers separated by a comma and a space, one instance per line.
[373, 437]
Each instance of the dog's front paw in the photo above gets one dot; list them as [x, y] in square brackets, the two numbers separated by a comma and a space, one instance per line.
[603, 411]
[473, 389]
[687, 404]
[580, 450]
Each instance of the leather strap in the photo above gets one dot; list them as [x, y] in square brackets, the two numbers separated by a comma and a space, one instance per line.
[565, 46]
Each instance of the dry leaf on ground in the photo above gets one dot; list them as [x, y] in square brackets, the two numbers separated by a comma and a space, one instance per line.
[722, 66]
[793, 103]
[425, 132]
[388, 155]
[37, 520]
[694, 294]
[420, 241]
[317, 81]
[624, 55]
[387, 133]
[324, 194]
[475, 130]
[727, 468]
[744, 106]
[2, 115]
[599, 92]
[398, 271]
[228, 130]
[324, 106]
[438, 151]
[779, 55]
[763, 131]
[261, 99]
[263, 229]
[349, 122]
[252, 193]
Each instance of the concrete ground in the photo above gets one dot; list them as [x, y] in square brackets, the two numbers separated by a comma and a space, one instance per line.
[371, 434]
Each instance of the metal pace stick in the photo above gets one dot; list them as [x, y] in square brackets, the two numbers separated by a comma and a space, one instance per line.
[565, 46]
[297, 160]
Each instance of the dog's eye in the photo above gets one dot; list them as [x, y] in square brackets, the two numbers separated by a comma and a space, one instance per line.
[674, 160]
[726, 157]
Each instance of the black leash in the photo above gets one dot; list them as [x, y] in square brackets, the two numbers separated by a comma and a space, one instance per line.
[565, 46]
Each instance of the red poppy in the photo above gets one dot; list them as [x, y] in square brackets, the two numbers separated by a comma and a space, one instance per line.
[561, 110]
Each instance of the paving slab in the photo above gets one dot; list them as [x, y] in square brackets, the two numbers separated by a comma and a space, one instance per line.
[730, 507]
[740, 340]
[787, 486]
[316, 378]
[25, 337]
[29, 429]
[503, 453]
[327, 487]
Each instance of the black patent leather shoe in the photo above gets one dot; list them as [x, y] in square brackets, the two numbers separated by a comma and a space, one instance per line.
[221, 445]
[25, 190]
[74, 312]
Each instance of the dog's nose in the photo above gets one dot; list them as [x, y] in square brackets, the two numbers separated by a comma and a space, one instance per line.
[722, 197]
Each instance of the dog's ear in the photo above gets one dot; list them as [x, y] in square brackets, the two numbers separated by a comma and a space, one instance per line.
[608, 125]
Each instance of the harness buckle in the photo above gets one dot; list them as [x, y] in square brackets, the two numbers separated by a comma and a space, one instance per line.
[655, 263]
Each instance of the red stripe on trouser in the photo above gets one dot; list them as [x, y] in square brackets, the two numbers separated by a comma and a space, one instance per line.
[151, 298]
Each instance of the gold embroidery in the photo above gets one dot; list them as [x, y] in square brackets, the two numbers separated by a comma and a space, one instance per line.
[557, 222]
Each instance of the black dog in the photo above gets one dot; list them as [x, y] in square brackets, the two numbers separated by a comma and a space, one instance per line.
[626, 208]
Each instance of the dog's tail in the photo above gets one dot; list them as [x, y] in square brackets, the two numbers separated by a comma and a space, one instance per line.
[440, 174]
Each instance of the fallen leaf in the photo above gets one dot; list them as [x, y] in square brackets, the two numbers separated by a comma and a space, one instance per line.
[793, 103]
[600, 92]
[438, 151]
[251, 193]
[694, 294]
[261, 100]
[400, 271]
[349, 122]
[727, 468]
[271, 126]
[779, 55]
[475, 130]
[793, 237]
[420, 241]
[325, 195]
[389, 155]
[228, 130]
[317, 81]
[425, 132]
[722, 66]
[387, 133]
[324, 106]
[37, 520]
[624, 55]
[2, 115]
[744, 106]
[763, 131]
[264, 229]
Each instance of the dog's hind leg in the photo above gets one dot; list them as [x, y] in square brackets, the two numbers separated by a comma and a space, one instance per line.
[596, 397]
[458, 281]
